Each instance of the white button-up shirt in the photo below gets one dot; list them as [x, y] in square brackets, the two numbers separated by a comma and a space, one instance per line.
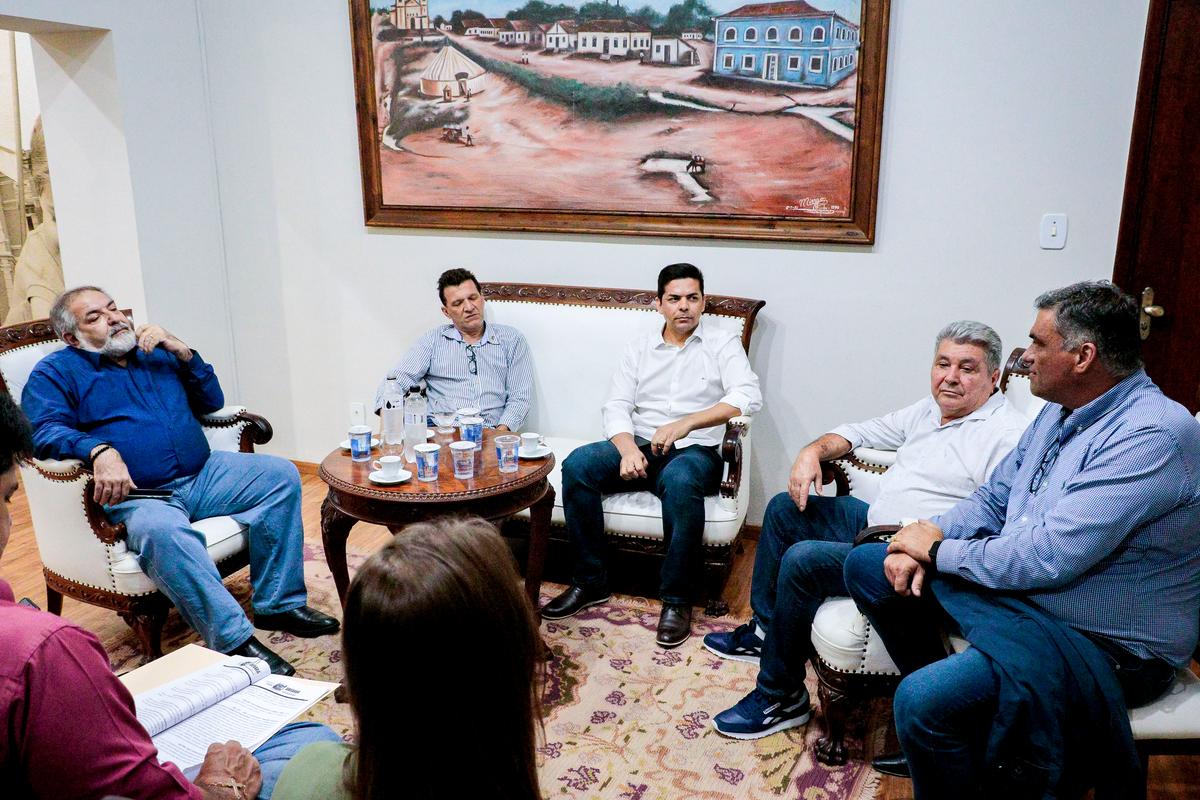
[658, 383]
[936, 464]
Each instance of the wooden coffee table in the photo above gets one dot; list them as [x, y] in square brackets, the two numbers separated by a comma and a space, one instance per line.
[490, 494]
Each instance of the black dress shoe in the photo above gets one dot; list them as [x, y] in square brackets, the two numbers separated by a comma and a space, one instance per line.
[674, 625]
[574, 600]
[305, 622]
[255, 649]
[892, 764]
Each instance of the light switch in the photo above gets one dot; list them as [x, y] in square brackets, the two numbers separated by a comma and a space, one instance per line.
[357, 414]
[1052, 235]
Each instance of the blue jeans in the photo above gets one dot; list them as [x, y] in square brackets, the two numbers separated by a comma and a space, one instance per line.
[910, 627]
[259, 491]
[797, 565]
[944, 713]
[274, 754]
[681, 479]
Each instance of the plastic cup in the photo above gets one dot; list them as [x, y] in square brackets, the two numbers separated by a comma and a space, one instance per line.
[506, 452]
[360, 443]
[462, 454]
[427, 461]
[471, 429]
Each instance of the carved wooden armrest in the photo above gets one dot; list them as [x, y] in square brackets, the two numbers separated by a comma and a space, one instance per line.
[833, 472]
[876, 534]
[105, 529]
[256, 430]
[731, 454]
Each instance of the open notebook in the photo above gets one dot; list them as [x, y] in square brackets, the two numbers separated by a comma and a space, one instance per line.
[231, 697]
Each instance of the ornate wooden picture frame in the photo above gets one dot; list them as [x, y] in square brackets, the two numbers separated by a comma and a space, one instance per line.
[761, 121]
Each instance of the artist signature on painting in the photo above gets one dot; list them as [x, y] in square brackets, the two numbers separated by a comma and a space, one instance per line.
[816, 205]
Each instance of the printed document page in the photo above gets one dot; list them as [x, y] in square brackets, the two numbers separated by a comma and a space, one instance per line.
[236, 699]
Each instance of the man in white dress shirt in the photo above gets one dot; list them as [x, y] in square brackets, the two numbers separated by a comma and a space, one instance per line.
[671, 396]
[946, 444]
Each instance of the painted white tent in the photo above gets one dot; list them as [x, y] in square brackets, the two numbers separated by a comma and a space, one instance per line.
[451, 69]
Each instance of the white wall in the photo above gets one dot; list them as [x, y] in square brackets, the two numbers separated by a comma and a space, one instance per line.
[123, 92]
[994, 115]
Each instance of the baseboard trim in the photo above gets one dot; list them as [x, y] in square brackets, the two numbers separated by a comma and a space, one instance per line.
[309, 468]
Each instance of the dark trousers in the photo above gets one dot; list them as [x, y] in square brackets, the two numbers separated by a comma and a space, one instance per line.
[797, 565]
[680, 478]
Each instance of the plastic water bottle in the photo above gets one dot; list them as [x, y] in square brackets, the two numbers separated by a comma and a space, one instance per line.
[393, 418]
[415, 409]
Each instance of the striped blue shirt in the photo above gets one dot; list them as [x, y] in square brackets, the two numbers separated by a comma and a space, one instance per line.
[1095, 516]
[501, 386]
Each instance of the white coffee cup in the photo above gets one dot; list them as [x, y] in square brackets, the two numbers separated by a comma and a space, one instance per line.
[388, 466]
[531, 442]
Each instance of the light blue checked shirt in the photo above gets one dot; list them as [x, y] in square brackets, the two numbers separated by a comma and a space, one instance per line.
[501, 386]
[1105, 536]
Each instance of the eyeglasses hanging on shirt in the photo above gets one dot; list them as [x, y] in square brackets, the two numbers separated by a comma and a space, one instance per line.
[1039, 475]
[472, 364]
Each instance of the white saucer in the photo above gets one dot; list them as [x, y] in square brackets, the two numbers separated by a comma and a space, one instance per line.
[540, 452]
[377, 477]
[346, 443]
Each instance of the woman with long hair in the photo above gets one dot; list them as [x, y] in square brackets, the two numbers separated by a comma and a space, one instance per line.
[443, 658]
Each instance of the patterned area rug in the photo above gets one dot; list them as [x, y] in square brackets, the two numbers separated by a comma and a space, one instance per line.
[625, 719]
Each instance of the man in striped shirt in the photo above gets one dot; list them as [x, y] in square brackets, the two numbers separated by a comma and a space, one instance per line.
[469, 363]
[1093, 521]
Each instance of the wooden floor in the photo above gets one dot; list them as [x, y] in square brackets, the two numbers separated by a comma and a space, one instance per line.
[1171, 777]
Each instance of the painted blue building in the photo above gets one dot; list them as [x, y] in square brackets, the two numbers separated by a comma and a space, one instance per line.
[789, 42]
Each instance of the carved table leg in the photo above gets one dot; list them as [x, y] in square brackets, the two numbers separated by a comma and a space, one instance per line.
[335, 530]
[539, 536]
[147, 623]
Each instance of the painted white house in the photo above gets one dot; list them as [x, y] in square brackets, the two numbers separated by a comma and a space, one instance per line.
[410, 15]
[521, 32]
[562, 35]
[672, 50]
[614, 37]
[692, 36]
[476, 26]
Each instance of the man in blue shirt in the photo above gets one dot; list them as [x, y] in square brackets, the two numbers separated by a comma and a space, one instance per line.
[125, 402]
[469, 363]
[1093, 521]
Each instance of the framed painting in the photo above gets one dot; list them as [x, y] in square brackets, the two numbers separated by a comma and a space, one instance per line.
[696, 118]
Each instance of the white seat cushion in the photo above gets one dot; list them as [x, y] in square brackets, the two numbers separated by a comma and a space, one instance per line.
[1174, 716]
[224, 538]
[640, 513]
[844, 639]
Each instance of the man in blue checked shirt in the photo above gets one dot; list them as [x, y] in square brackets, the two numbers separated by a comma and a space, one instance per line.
[469, 363]
[125, 403]
[1092, 523]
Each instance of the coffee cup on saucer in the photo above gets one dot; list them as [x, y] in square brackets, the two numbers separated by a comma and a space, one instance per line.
[532, 444]
[388, 467]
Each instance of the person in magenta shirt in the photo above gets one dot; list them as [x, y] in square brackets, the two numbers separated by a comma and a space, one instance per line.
[67, 725]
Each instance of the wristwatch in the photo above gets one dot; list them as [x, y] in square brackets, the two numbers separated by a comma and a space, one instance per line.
[933, 548]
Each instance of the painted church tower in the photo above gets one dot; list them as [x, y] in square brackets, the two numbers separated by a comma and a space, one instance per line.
[411, 14]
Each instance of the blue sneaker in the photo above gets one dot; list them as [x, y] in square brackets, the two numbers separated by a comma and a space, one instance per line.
[758, 715]
[740, 644]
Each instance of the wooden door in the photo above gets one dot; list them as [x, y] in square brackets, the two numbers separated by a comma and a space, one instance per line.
[1159, 241]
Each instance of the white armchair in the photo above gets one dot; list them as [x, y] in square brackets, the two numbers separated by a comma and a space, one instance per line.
[84, 555]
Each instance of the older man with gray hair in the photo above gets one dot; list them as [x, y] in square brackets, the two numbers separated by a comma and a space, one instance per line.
[946, 443]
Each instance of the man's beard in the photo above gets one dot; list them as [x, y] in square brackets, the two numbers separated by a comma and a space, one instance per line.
[116, 345]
